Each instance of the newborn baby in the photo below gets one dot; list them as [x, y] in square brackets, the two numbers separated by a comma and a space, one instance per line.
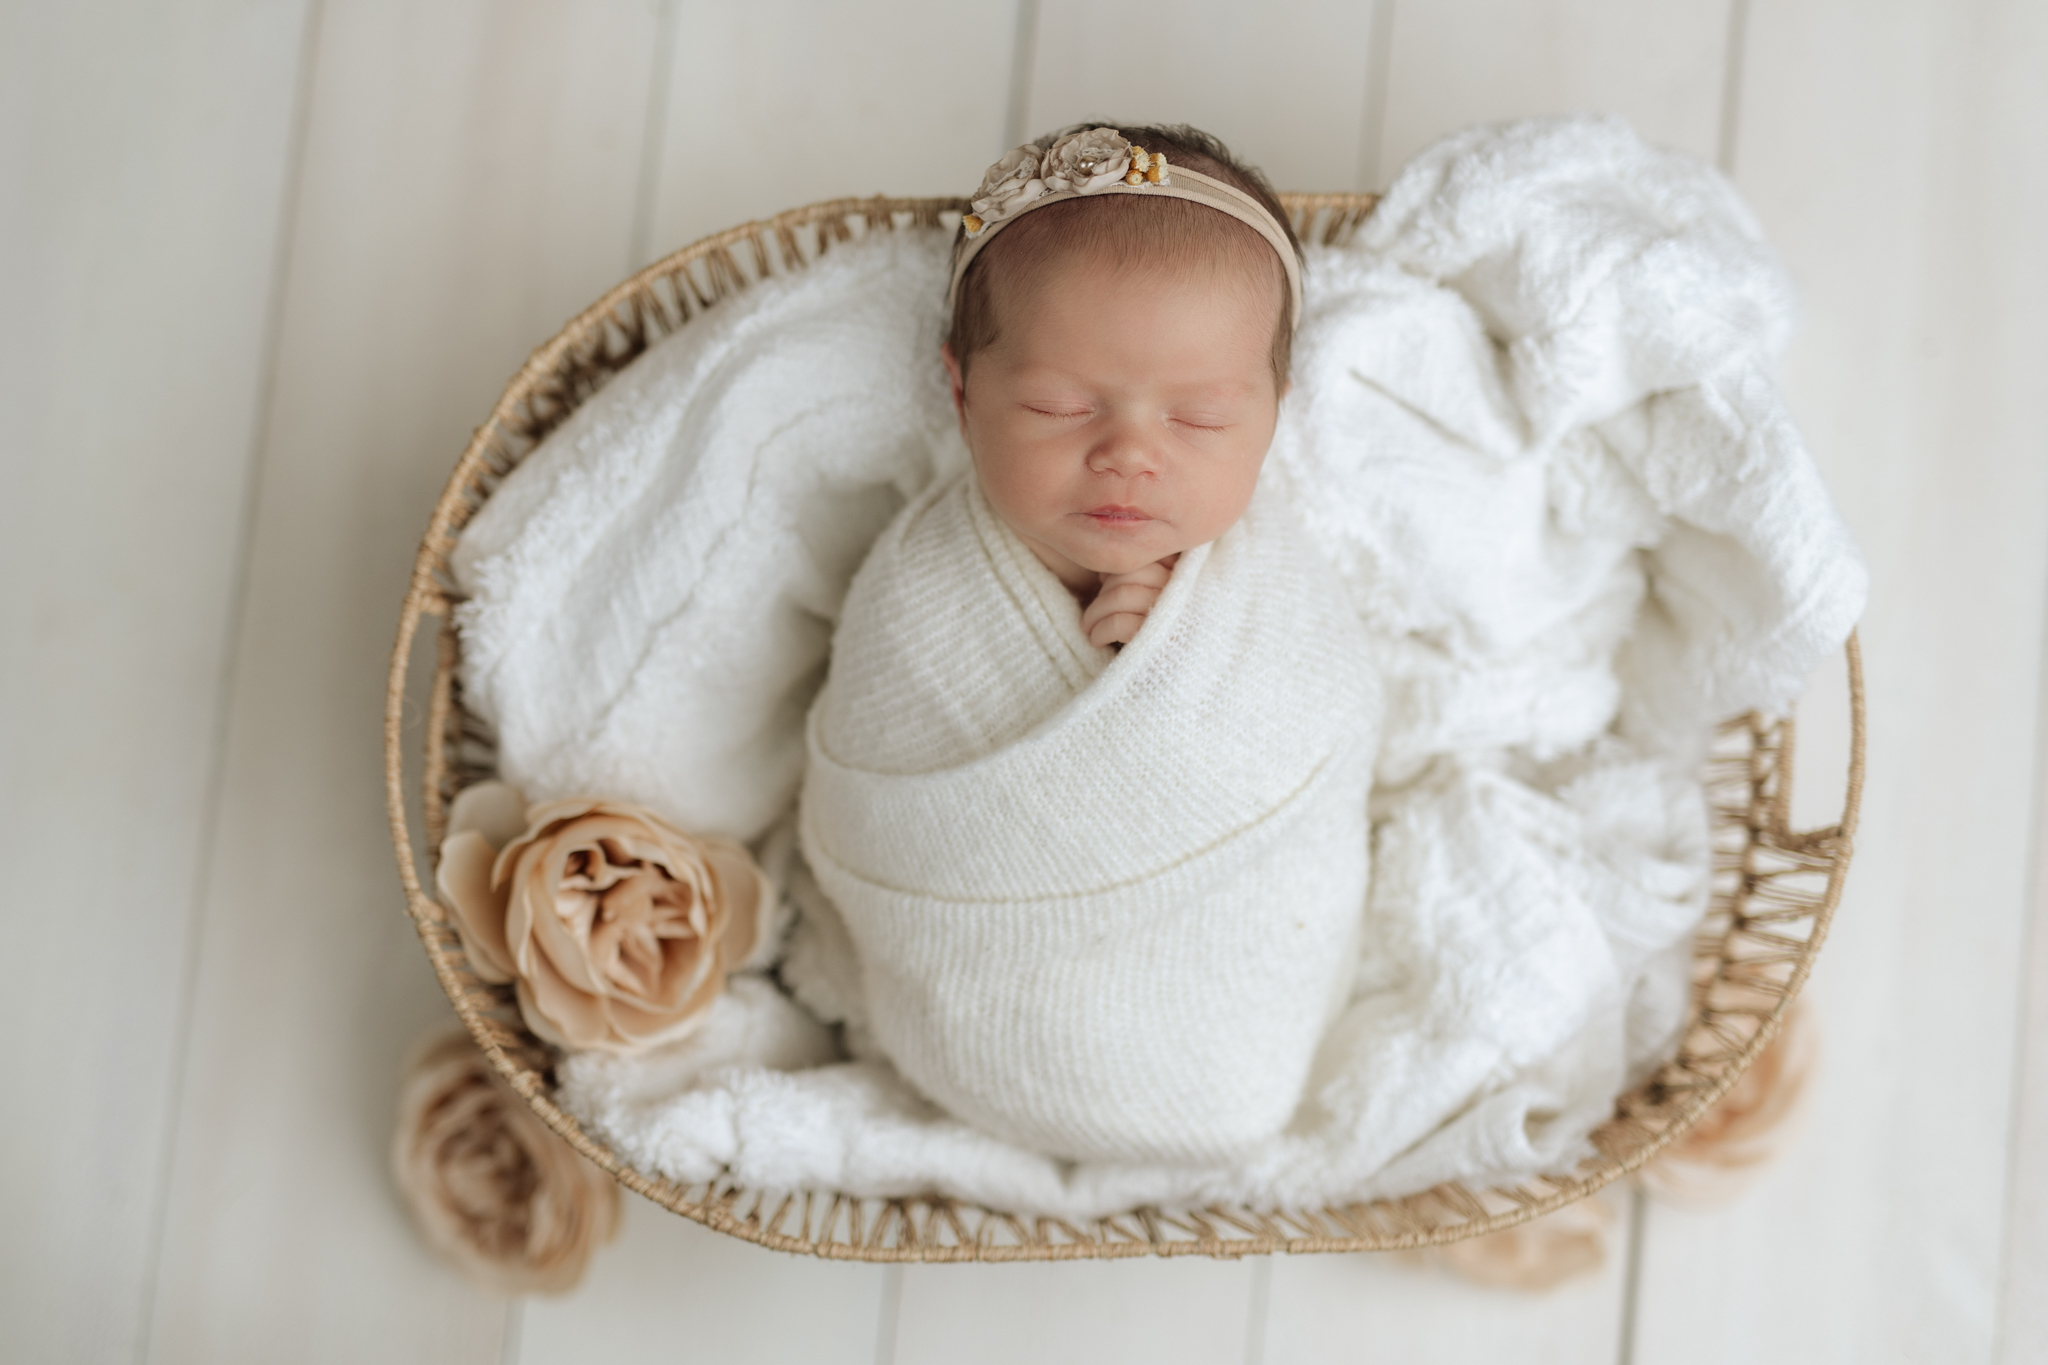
[1118, 367]
[1087, 779]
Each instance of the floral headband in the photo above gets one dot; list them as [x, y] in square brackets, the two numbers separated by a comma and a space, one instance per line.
[1102, 161]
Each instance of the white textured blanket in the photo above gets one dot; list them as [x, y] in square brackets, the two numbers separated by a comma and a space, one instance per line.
[1105, 904]
[1533, 431]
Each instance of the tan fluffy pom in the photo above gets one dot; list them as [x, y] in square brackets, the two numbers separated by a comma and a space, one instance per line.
[1540, 1254]
[1722, 1153]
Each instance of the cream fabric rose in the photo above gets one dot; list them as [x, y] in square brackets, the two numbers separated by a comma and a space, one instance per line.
[617, 927]
[491, 1187]
[1009, 185]
[1088, 161]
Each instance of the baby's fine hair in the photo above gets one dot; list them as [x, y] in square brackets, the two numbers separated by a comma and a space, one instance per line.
[1131, 229]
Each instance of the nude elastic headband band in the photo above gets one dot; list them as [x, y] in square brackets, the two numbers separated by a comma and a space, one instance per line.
[1102, 161]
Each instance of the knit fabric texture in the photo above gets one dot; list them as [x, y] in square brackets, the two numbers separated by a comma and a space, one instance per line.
[1105, 903]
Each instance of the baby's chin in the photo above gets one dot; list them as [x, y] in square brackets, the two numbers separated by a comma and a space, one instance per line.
[1115, 559]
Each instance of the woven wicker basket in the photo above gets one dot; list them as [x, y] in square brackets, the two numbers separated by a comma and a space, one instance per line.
[1774, 888]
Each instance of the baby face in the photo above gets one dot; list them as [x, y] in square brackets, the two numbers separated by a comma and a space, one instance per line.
[1121, 415]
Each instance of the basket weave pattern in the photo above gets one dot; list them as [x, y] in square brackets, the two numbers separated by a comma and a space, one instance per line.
[1774, 888]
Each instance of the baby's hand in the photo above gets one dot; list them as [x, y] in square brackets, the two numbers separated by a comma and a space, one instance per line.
[1121, 603]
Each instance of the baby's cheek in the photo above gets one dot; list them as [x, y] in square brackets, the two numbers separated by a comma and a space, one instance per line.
[1020, 488]
[1224, 493]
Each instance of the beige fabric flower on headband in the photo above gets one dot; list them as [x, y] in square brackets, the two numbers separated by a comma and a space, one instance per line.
[1009, 185]
[617, 927]
[1087, 161]
[490, 1186]
[1084, 162]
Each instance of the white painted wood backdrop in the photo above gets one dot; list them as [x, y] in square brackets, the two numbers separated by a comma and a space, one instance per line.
[264, 262]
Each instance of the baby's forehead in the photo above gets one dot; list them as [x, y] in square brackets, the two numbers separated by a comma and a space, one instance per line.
[1102, 321]
[1195, 324]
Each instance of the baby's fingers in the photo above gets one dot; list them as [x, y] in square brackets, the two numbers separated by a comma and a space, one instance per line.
[1116, 597]
[1118, 628]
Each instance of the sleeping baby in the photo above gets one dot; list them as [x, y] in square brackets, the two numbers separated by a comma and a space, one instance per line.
[1087, 779]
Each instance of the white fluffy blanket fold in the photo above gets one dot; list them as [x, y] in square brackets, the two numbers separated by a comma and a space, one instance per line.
[1105, 903]
[1534, 442]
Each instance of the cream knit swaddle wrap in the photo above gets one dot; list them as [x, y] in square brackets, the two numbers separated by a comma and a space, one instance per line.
[1105, 904]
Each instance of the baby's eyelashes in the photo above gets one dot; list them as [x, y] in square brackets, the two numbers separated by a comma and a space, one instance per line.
[1191, 421]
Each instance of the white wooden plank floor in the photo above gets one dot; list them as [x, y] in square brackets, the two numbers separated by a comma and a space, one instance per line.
[1895, 154]
[144, 169]
[467, 181]
[264, 262]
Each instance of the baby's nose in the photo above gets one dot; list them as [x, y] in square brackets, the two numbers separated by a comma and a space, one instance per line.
[1124, 451]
